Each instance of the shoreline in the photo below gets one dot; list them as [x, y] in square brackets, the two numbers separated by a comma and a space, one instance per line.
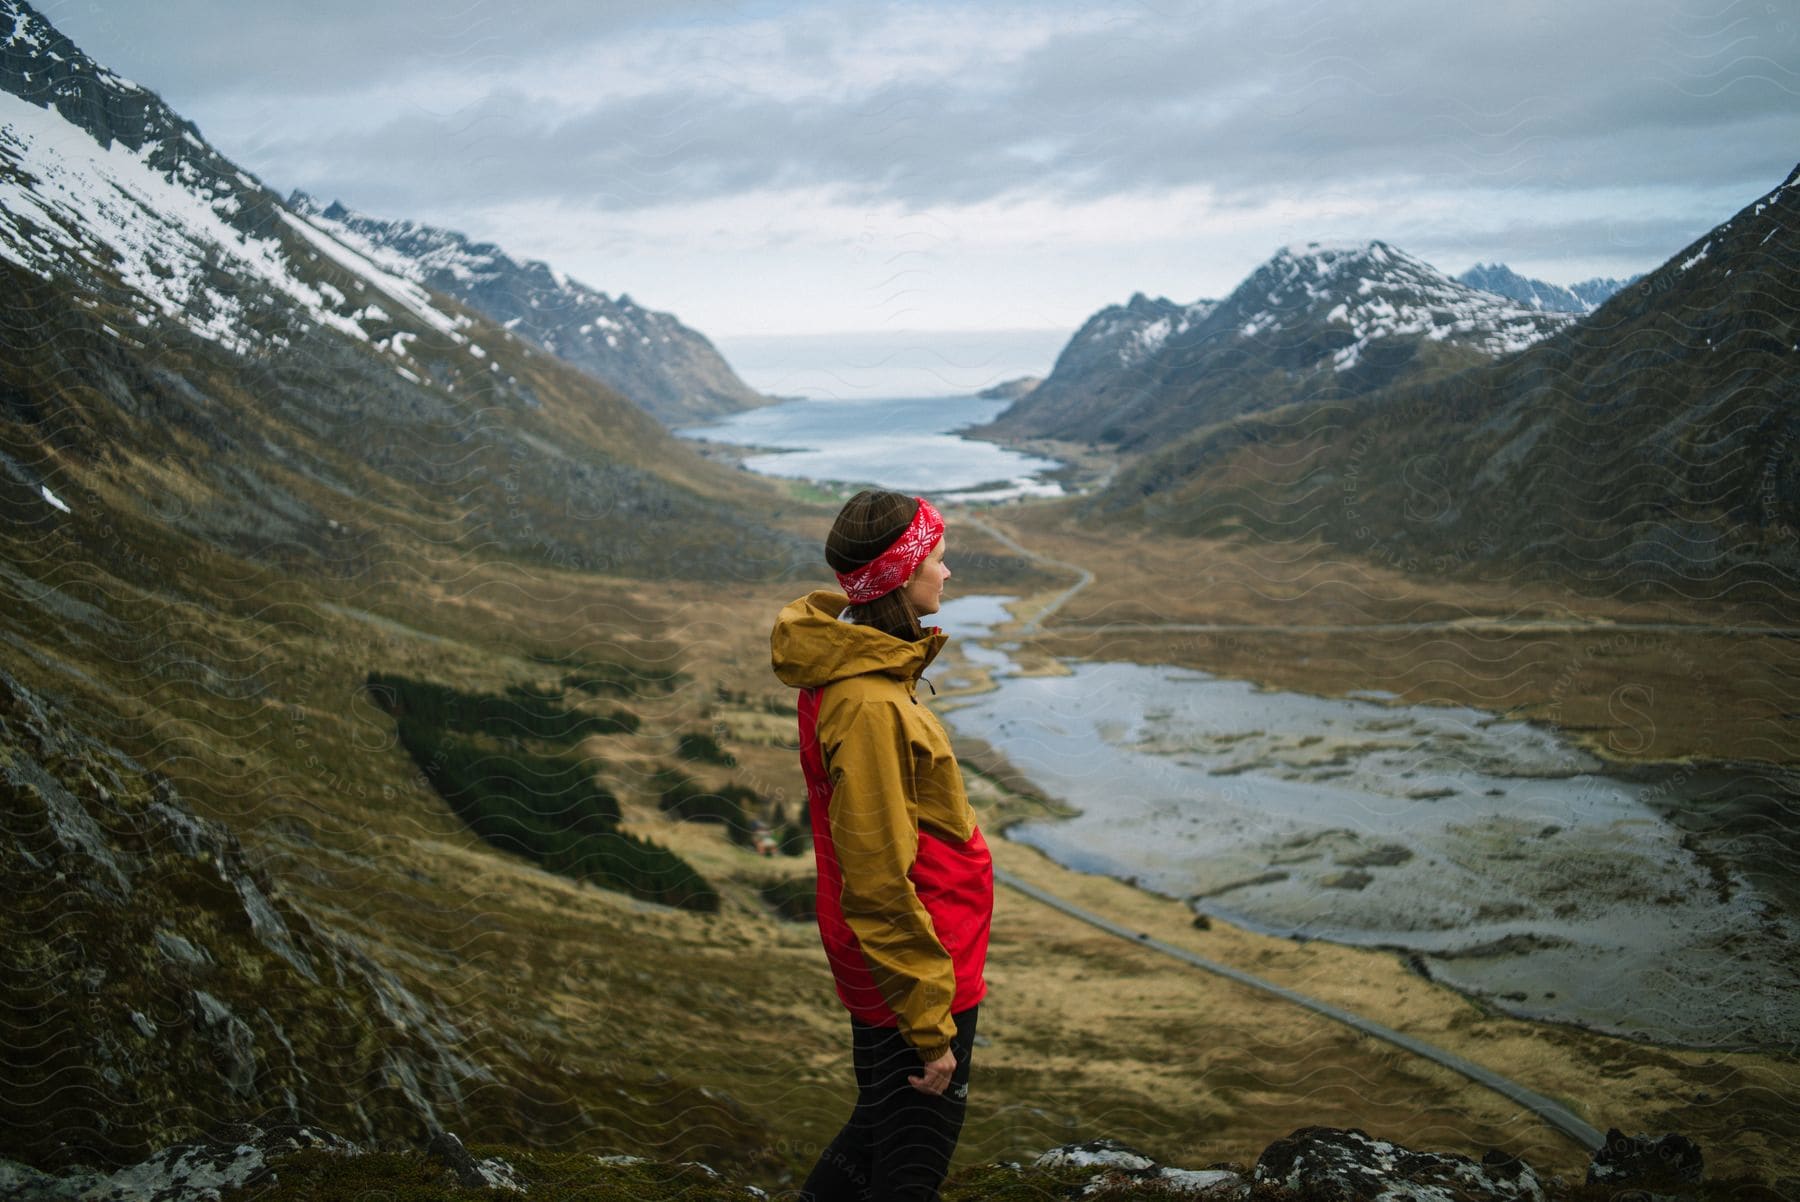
[1603, 1080]
[1491, 961]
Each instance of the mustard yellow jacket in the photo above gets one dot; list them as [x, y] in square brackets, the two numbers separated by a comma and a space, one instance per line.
[905, 880]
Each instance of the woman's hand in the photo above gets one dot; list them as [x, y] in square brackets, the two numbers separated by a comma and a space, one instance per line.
[937, 1074]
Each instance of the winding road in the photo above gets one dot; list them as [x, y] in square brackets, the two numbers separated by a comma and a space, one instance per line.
[1548, 1109]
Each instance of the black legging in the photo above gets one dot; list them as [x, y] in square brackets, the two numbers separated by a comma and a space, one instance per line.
[898, 1142]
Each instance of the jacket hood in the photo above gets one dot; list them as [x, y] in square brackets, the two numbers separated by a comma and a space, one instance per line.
[811, 646]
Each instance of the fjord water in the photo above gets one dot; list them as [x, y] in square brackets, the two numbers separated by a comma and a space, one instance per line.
[905, 443]
[1503, 858]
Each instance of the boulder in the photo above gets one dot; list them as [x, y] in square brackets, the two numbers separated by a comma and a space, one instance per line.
[1646, 1161]
[1117, 1166]
[1327, 1164]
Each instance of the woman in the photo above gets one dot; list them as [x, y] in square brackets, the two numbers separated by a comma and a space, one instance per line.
[905, 888]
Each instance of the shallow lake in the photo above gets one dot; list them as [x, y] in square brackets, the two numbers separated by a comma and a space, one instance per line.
[1504, 859]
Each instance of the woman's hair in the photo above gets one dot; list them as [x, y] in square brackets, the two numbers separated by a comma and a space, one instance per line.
[867, 525]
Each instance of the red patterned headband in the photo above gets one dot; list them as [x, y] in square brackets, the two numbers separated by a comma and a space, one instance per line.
[891, 569]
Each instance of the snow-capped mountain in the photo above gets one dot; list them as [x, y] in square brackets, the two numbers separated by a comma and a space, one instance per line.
[1581, 298]
[648, 356]
[178, 313]
[1315, 321]
[203, 244]
[1363, 293]
[42, 67]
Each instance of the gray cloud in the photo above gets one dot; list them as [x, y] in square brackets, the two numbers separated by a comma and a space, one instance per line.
[194, 48]
[1287, 100]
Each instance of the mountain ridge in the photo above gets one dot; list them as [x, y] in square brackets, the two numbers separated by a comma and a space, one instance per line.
[1579, 298]
[650, 357]
[682, 378]
[1315, 321]
[42, 66]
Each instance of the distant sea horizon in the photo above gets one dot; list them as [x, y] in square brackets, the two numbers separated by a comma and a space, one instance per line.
[863, 364]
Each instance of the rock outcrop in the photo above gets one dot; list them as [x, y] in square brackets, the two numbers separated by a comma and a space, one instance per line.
[158, 984]
[198, 1170]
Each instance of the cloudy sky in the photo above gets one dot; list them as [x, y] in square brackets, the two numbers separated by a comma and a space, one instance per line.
[787, 169]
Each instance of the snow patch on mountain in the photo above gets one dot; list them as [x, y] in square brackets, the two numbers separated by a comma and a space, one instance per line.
[429, 257]
[1137, 330]
[648, 356]
[66, 201]
[428, 249]
[416, 299]
[1147, 341]
[1697, 257]
[1379, 292]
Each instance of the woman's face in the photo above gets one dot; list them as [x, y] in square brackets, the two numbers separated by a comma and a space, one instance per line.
[925, 588]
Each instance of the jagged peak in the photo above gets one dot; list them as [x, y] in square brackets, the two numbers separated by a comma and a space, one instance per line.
[28, 31]
[1326, 263]
[1500, 270]
[1330, 250]
[1376, 290]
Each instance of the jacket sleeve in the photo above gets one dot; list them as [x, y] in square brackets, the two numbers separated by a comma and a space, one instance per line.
[875, 830]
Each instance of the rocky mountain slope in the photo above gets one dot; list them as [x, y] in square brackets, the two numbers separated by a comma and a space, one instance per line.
[1655, 441]
[204, 991]
[1502, 280]
[649, 357]
[1110, 359]
[1315, 322]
